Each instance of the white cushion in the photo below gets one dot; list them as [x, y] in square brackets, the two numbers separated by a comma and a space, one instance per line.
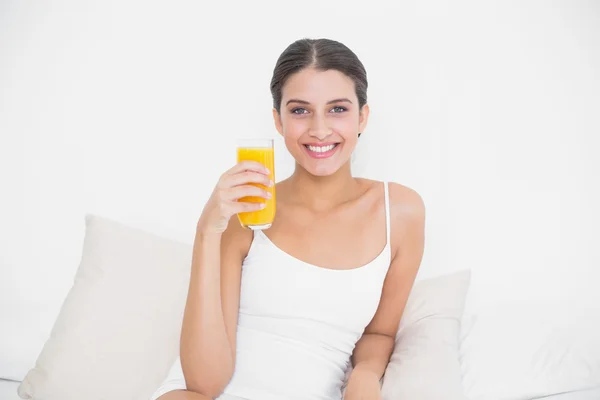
[117, 332]
[425, 362]
[516, 351]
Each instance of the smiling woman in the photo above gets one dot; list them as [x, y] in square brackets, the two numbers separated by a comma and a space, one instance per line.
[284, 314]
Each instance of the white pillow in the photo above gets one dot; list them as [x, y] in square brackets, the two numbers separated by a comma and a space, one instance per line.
[117, 333]
[425, 362]
[517, 351]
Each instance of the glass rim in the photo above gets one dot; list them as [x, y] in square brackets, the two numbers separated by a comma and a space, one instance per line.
[254, 142]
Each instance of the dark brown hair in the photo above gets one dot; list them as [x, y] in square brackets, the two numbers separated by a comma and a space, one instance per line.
[322, 54]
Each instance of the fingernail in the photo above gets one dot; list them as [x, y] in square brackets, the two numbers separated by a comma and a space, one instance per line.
[267, 171]
[271, 183]
[269, 195]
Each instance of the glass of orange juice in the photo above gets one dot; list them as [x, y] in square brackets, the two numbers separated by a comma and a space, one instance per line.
[260, 150]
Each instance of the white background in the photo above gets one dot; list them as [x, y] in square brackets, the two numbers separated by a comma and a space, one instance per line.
[130, 110]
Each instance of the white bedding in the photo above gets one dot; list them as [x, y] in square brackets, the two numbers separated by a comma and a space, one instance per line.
[589, 394]
[8, 390]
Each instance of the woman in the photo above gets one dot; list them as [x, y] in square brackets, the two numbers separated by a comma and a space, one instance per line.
[285, 313]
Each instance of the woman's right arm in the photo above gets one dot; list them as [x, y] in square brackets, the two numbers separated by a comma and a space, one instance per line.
[207, 348]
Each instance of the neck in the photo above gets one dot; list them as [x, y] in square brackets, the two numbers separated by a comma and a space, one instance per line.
[322, 193]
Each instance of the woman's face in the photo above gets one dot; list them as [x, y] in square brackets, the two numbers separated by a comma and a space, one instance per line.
[320, 119]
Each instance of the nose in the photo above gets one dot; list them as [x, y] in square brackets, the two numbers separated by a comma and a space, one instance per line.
[319, 128]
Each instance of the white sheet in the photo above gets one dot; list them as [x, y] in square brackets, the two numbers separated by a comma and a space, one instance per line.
[8, 390]
[589, 394]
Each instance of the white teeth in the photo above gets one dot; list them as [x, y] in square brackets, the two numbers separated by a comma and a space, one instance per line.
[321, 149]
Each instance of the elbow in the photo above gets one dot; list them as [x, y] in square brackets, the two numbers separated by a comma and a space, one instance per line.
[210, 385]
[211, 393]
[208, 375]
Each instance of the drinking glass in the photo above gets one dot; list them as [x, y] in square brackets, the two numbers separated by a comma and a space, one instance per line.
[260, 150]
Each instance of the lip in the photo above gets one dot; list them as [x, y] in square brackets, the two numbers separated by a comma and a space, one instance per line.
[320, 144]
[326, 154]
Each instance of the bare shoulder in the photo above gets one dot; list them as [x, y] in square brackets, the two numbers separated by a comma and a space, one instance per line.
[405, 202]
[407, 214]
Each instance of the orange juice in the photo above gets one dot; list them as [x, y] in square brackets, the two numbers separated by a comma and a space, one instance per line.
[261, 219]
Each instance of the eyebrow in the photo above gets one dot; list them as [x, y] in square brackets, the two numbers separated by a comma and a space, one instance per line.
[341, 100]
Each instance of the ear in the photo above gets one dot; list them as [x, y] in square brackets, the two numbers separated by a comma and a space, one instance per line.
[363, 117]
[277, 120]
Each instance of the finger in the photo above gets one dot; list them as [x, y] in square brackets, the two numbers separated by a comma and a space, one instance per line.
[248, 165]
[247, 206]
[242, 178]
[237, 192]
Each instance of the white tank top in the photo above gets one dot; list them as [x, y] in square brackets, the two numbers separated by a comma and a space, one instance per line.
[298, 323]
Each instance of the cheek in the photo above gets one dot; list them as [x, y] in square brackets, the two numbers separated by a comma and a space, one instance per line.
[346, 127]
[295, 127]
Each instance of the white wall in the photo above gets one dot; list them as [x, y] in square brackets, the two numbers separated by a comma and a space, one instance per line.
[129, 109]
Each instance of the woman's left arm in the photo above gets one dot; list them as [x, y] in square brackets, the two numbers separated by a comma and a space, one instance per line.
[372, 352]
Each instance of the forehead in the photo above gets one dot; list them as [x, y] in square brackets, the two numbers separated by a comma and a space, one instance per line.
[315, 85]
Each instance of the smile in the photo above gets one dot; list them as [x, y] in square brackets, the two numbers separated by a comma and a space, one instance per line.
[321, 151]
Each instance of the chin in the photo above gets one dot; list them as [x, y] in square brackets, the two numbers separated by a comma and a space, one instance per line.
[322, 170]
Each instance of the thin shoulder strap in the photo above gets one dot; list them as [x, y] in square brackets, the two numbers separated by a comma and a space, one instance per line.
[387, 211]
